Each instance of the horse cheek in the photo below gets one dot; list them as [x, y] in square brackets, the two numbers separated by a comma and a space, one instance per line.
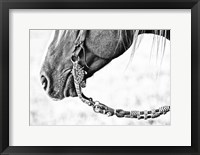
[97, 65]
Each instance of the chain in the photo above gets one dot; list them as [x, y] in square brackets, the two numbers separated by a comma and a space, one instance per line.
[78, 75]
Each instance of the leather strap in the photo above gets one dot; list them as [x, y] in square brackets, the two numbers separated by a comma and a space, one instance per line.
[79, 46]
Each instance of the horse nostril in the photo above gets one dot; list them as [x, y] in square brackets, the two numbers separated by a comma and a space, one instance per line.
[44, 82]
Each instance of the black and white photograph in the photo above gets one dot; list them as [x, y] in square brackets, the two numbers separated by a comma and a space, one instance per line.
[103, 77]
[106, 77]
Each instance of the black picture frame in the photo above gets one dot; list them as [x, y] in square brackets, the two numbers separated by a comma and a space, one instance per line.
[5, 5]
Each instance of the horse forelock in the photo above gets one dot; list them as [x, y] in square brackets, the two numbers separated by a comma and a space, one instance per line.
[58, 37]
[62, 36]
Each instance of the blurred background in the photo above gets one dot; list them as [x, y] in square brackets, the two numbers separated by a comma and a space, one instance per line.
[142, 84]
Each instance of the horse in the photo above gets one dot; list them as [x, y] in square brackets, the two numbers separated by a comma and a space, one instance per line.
[73, 56]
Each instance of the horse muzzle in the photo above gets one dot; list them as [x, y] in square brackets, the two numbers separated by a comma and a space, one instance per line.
[58, 88]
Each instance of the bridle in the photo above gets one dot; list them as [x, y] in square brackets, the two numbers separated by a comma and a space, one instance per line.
[79, 73]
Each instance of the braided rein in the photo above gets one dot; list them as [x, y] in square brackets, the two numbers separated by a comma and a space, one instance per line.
[78, 75]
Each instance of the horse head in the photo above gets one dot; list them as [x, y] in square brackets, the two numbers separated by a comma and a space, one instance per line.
[94, 48]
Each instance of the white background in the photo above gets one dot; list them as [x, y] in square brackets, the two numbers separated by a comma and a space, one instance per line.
[21, 134]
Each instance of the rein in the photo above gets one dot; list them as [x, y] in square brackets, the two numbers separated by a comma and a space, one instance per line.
[79, 73]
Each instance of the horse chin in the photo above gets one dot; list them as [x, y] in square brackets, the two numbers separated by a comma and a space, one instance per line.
[69, 90]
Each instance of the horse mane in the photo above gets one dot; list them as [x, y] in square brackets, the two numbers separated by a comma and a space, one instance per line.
[137, 38]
